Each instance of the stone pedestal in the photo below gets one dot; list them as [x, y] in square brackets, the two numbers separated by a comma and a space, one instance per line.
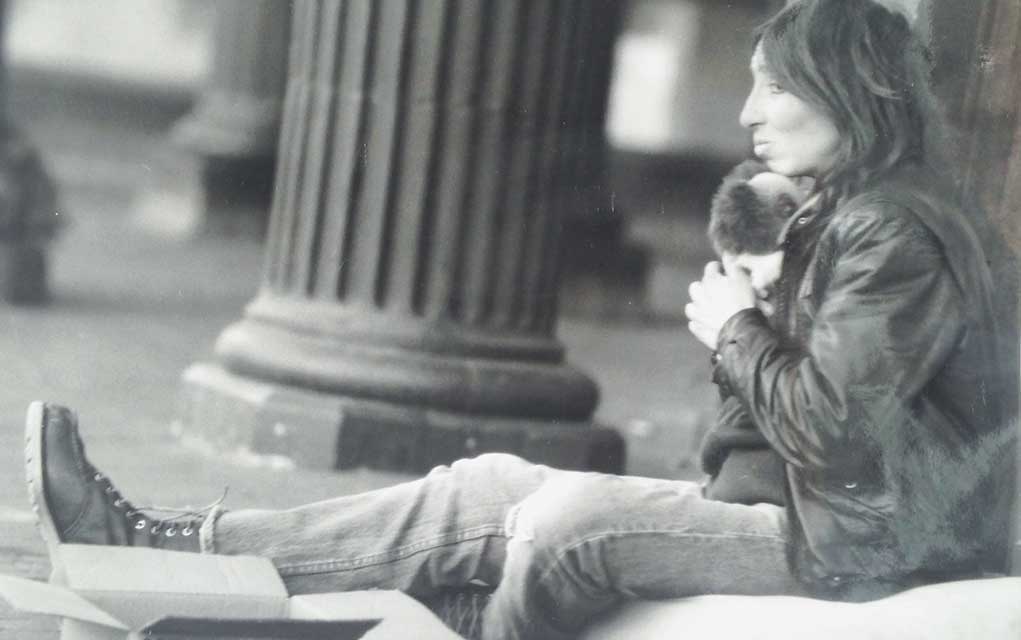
[232, 130]
[408, 307]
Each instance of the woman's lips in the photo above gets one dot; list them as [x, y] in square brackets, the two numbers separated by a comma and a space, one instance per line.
[760, 147]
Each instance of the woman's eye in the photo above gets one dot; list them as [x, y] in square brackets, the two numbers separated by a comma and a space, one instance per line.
[774, 87]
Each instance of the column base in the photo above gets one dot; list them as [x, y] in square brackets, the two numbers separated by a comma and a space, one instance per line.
[327, 431]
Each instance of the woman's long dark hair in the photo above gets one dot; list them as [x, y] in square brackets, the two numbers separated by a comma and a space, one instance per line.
[864, 66]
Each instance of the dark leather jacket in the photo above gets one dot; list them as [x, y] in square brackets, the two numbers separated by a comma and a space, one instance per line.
[882, 389]
[740, 466]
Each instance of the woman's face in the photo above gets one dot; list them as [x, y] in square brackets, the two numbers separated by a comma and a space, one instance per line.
[790, 135]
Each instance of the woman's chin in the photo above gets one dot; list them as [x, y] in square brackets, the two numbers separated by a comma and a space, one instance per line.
[785, 168]
[771, 163]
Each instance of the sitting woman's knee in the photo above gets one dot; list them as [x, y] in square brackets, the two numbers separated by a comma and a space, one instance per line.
[484, 463]
[561, 510]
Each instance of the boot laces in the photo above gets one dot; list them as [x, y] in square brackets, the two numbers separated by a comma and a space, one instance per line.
[172, 520]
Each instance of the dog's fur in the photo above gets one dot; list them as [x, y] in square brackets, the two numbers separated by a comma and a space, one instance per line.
[744, 219]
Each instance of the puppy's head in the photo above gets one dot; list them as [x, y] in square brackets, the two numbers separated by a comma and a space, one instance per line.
[750, 209]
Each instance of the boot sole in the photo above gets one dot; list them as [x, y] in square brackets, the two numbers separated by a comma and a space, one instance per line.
[35, 424]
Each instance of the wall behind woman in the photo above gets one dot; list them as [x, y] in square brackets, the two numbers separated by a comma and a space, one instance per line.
[977, 60]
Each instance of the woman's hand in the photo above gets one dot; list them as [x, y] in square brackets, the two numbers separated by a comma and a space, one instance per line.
[715, 299]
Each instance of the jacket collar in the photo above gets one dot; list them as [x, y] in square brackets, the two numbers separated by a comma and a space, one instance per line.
[805, 214]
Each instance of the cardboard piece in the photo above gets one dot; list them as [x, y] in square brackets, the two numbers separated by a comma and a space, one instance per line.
[125, 593]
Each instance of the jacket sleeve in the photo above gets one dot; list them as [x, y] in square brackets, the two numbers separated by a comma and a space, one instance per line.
[885, 322]
[733, 429]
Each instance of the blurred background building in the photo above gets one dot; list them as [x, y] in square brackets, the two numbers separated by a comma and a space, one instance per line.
[212, 330]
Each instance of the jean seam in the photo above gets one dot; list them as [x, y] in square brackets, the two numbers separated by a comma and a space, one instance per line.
[400, 553]
[559, 557]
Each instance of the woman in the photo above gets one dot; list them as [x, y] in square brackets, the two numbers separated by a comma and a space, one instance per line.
[876, 386]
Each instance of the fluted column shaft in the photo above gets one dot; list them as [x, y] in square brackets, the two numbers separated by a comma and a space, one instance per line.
[409, 158]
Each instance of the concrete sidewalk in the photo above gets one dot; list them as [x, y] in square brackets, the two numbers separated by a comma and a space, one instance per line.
[132, 310]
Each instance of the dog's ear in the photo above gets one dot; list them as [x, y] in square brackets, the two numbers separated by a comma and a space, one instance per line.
[785, 206]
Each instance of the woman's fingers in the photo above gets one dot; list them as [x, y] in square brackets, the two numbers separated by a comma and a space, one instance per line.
[712, 269]
[691, 311]
[695, 313]
[702, 334]
[730, 264]
[714, 299]
[696, 292]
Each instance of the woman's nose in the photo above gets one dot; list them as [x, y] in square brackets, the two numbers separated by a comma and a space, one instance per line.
[750, 113]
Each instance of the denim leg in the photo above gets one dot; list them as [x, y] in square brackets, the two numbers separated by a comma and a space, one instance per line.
[582, 544]
[445, 529]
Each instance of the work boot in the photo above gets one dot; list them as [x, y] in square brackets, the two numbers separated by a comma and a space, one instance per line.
[76, 504]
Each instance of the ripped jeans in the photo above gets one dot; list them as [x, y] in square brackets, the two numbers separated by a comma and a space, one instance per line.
[561, 547]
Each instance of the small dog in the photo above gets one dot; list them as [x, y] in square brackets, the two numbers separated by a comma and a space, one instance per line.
[747, 216]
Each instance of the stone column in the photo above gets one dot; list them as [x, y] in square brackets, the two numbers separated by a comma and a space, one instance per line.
[408, 308]
[588, 93]
[602, 269]
[234, 125]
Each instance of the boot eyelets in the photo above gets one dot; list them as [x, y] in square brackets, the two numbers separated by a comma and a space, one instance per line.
[119, 502]
[108, 490]
[98, 477]
[187, 531]
[171, 532]
[155, 529]
[140, 524]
